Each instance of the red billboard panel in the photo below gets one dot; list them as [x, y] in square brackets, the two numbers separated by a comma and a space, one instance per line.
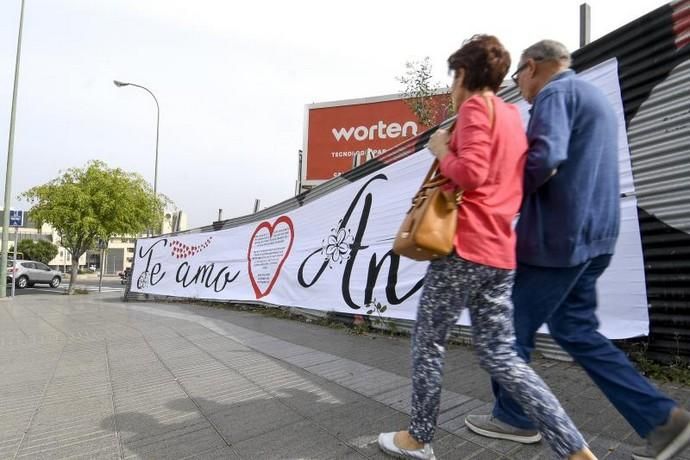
[338, 132]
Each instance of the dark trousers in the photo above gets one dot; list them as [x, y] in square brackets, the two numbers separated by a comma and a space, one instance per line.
[452, 284]
[566, 300]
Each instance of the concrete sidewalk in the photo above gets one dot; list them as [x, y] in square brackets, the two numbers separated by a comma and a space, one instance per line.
[91, 377]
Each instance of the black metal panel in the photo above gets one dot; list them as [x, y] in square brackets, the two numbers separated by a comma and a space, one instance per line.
[667, 269]
[649, 50]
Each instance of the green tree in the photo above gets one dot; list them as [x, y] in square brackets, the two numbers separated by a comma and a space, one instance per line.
[40, 250]
[427, 99]
[96, 202]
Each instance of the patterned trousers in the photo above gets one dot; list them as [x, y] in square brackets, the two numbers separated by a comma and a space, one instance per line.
[450, 285]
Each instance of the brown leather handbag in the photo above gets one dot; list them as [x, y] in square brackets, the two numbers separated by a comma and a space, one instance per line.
[428, 230]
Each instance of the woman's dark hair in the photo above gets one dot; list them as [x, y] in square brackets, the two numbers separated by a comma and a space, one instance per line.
[484, 60]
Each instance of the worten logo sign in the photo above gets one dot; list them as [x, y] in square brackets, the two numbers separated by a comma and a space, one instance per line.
[377, 131]
[337, 132]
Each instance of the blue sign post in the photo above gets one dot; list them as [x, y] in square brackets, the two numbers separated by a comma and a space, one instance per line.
[16, 221]
[16, 218]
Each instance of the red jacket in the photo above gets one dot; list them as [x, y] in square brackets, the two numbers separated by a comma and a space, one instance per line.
[488, 165]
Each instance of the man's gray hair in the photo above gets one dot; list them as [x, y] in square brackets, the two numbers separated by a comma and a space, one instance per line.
[548, 50]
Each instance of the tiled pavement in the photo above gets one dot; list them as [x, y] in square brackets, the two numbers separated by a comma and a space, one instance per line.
[92, 377]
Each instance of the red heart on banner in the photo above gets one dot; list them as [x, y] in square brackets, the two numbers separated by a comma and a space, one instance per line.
[269, 247]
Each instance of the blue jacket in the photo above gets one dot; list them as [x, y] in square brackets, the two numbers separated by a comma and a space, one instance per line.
[574, 215]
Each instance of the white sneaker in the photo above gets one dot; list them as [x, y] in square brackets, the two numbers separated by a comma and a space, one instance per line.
[387, 444]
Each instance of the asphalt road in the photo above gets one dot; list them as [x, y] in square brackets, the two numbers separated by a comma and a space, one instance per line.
[110, 284]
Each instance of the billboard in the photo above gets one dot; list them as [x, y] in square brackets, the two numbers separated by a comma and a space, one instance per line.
[337, 132]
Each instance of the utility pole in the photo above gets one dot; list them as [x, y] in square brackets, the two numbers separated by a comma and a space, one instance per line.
[585, 24]
[8, 173]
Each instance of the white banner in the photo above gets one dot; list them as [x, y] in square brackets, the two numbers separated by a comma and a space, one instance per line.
[334, 254]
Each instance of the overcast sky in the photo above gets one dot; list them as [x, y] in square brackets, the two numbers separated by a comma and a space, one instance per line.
[232, 79]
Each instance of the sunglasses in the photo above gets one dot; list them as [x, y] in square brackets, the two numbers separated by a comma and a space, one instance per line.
[516, 74]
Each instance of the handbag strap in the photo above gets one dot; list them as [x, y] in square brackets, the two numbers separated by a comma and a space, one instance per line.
[434, 173]
[433, 176]
[435, 166]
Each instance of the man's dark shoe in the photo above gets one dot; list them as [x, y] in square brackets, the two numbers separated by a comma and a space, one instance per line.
[491, 427]
[666, 440]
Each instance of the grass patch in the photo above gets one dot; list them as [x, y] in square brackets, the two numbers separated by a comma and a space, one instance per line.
[354, 324]
[676, 370]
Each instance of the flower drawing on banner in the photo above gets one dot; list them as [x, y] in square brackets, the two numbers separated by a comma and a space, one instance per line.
[143, 280]
[336, 247]
[181, 250]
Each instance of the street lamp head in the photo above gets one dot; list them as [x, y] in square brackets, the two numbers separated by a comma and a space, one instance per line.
[120, 84]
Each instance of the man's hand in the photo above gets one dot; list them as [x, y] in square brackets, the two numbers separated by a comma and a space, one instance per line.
[438, 143]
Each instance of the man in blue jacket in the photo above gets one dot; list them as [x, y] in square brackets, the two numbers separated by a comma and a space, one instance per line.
[566, 235]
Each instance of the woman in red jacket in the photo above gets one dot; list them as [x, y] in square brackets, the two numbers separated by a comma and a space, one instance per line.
[484, 157]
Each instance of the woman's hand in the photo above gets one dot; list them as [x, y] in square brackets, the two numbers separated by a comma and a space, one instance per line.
[438, 143]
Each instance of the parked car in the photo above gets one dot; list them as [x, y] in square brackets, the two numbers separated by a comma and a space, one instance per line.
[30, 272]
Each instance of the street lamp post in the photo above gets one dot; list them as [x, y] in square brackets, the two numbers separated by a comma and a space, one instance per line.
[8, 172]
[120, 84]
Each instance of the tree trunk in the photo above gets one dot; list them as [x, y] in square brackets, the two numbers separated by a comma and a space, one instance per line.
[73, 275]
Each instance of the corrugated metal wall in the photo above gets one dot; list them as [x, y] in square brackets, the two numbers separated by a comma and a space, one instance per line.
[653, 55]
